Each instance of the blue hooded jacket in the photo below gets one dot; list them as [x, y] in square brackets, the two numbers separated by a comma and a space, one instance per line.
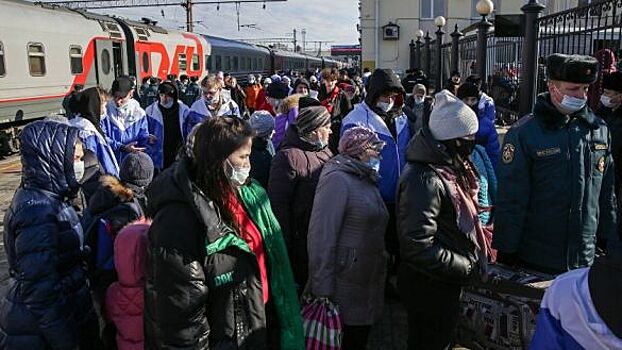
[48, 301]
[156, 128]
[96, 143]
[394, 152]
[125, 125]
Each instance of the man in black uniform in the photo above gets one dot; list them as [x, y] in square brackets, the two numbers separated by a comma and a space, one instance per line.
[556, 179]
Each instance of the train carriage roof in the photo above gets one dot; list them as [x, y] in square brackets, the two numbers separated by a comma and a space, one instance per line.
[219, 42]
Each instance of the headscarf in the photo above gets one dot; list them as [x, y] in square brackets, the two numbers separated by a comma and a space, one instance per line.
[88, 104]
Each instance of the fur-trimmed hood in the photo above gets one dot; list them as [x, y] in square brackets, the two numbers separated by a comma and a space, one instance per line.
[290, 102]
[110, 193]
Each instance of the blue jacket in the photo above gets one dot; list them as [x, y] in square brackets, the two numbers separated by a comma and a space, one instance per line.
[487, 182]
[96, 143]
[124, 126]
[568, 318]
[156, 128]
[556, 189]
[394, 152]
[48, 301]
[487, 136]
[486, 107]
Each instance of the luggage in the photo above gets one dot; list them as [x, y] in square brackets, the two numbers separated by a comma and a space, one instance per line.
[501, 313]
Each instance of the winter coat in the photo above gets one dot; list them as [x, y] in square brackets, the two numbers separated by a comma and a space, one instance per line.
[125, 298]
[487, 194]
[262, 103]
[430, 240]
[487, 136]
[48, 303]
[579, 313]
[148, 95]
[346, 241]
[114, 203]
[341, 106]
[486, 108]
[556, 177]
[393, 154]
[95, 142]
[156, 128]
[284, 119]
[261, 160]
[193, 93]
[194, 300]
[199, 110]
[123, 127]
[294, 175]
[252, 93]
[614, 123]
[239, 97]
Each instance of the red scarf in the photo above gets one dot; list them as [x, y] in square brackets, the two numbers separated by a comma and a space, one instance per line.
[329, 102]
[467, 210]
[250, 233]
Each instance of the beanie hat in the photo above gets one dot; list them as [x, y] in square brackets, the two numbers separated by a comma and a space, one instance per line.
[263, 123]
[313, 79]
[275, 78]
[451, 118]
[306, 101]
[468, 90]
[357, 140]
[311, 118]
[267, 81]
[613, 81]
[137, 169]
[277, 90]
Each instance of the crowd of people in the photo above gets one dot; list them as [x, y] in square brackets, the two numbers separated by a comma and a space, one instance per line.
[192, 215]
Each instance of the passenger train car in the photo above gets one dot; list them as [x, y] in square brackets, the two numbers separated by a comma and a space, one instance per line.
[46, 50]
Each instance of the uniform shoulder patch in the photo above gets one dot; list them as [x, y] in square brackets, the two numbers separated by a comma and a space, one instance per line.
[508, 153]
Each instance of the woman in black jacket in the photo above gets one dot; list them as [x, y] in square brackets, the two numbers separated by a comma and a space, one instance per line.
[442, 243]
[218, 275]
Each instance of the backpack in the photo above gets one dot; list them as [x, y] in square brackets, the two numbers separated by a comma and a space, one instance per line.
[99, 234]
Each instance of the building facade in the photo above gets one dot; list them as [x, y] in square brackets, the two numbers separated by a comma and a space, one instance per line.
[380, 51]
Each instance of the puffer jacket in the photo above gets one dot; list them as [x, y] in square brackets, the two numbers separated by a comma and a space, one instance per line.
[487, 137]
[48, 304]
[346, 241]
[123, 126]
[96, 143]
[430, 241]
[125, 298]
[294, 175]
[194, 300]
[228, 108]
[286, 117]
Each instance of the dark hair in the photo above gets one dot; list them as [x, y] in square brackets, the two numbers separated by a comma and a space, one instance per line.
[194, 79]
[475, 79]
[214, 141]
[454, 73]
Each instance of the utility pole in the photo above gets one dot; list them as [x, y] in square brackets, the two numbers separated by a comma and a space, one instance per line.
[304, 40]
[188, 6]
[237, 11]
[295, 42]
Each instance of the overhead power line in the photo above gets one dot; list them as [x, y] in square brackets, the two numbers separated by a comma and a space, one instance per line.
[186, 4]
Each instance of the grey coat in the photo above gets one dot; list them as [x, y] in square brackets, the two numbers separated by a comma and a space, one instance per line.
[346, 241]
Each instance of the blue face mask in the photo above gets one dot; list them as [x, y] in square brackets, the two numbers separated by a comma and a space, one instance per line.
[319, 144]
[374, 163]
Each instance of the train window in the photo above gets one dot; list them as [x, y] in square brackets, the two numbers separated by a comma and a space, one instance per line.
[75, 59]
[243, 63]
[183, 65]
[208, 62]
[105, 61]
[36, 59]
[2, 67]
[249, 63]
[218, 63]
[227, 63]
[145, 62]
[260, 64]
[142, 34]
[236, 63]
[196, 65]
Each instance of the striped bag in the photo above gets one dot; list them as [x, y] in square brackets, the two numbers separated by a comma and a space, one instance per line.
[321, 323]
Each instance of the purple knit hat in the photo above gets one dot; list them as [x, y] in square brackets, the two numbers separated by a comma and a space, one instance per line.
[357, 140]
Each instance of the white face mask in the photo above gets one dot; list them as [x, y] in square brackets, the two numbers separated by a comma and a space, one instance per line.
[238, 175]
[606, 101]
[418, 100]
[384, 106]
[78, 170]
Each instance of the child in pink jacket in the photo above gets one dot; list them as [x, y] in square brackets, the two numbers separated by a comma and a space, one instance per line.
[124, 298]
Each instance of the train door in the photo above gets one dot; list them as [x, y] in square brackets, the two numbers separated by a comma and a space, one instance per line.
[117, 58]
[104, 63]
